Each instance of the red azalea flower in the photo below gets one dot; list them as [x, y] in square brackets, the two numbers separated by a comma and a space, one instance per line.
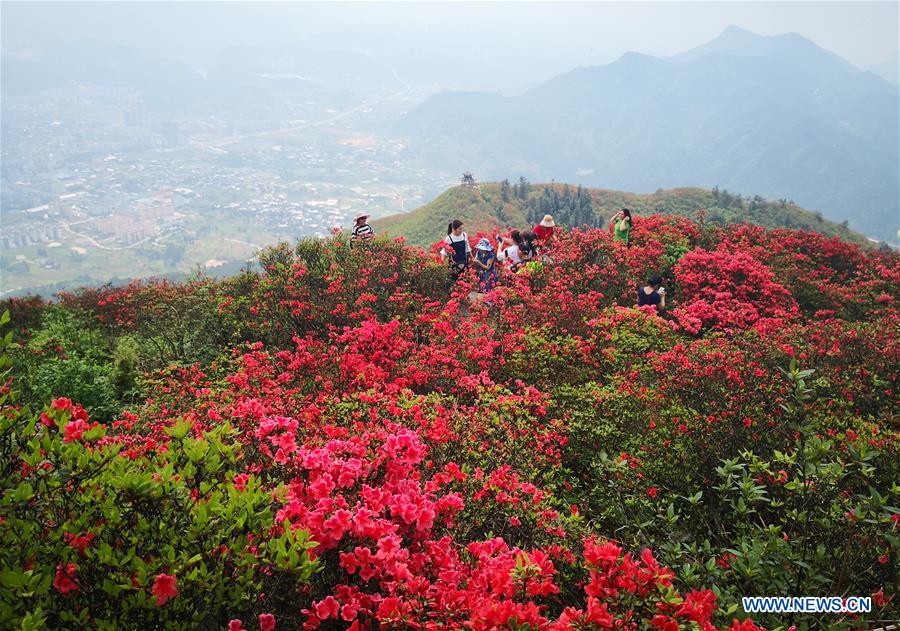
[327, 608]
[266, 622]
[64, 581]
[879, 599]
[240, 481]
[164, 588]
[61, 404]
[74, 430]
[746, 625]
[390, 608]
[664, 623]
[79, 543]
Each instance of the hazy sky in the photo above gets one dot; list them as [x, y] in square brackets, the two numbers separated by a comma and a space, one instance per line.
[865, 33]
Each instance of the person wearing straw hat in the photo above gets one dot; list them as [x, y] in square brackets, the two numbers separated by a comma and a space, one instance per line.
[544, 230]
[362, 229]
[484, 262]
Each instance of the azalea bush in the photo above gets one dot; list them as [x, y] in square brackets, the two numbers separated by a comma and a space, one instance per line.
[100, 534]
[68, 355]
[342, 439]
[729, 291]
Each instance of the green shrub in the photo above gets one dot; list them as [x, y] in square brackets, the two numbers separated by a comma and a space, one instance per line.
[89, 523]
[69, 356]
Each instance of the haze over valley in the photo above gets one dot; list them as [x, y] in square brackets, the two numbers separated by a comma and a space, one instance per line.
[142, 140]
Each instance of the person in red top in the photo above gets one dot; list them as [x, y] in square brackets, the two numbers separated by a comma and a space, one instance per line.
[544, 230]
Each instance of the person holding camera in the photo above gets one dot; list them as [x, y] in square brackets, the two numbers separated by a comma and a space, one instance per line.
[510, 249]
[529, 249]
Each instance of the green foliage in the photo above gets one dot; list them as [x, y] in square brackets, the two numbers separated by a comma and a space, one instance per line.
[568, 207]
[109, 519]
[182, 324]
[69, 356]
[806, 519]
[125, 369]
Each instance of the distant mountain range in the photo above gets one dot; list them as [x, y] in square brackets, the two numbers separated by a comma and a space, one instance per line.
[494, 205]
[777, 116]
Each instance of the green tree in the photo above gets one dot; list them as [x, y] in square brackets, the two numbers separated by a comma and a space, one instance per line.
[505, 191]
[523, 189]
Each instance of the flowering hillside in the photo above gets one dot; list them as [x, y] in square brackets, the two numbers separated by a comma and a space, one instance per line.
[341, 441]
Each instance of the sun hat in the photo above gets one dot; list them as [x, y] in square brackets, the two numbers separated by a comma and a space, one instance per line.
[362, 216]
[548, 222]
[484, 244]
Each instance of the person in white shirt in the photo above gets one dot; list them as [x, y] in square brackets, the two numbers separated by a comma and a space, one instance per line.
[509, 248]
[457, 248]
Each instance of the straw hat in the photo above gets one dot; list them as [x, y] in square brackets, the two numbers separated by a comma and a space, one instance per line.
[362, 216]
[548, 222]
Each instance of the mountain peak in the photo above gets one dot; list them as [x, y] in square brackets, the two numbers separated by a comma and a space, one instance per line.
[632, 55]
[739, 42]
[632, 59]
[734, 32]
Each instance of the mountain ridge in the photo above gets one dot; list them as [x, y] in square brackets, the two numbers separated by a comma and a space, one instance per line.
[815, 129]
[485, 209]
[734, 40]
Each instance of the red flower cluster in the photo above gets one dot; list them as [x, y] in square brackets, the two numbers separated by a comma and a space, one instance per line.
[64, 582]
[729, 291]
[455, 464]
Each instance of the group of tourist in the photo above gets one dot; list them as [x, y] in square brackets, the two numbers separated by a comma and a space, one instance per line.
[516, 249]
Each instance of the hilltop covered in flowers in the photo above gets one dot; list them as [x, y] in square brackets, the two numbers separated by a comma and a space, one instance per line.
[341, 441]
